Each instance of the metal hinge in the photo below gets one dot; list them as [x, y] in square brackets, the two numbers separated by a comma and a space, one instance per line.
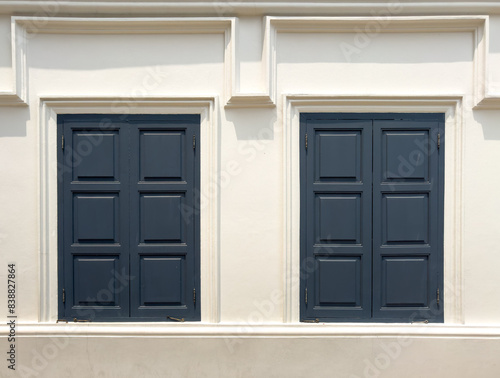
[306, 295]
[64, 296]
[176, 319]
[194, 142]
[194, 296]
[439, 141]
[306, 141]
[81, 320]
[62, 142]
[437, 296]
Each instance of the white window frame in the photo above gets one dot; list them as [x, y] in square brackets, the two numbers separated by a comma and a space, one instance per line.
[207, 107]
[452, 106]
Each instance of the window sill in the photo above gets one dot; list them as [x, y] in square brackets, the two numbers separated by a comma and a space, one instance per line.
[245, 330]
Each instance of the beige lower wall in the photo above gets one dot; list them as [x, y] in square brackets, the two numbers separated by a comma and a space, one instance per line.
[250, 357]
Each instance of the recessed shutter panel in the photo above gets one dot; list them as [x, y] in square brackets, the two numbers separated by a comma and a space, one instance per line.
[94, 191]
[336, 216]
[164, 217]
[407, 262]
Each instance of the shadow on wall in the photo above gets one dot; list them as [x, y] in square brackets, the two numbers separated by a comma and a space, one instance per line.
[253, 124]
[383, 48]
[86, 52]
[13, 121]
[5, 43]
[494, 34]
[490, 122]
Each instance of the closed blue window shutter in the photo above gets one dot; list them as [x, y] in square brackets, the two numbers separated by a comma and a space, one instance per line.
[371, 217]
[129, 217]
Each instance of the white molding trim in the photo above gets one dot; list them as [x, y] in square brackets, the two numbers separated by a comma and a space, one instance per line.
[207, 107]
[233, 97]
[18, 96]
[245, 330]
[452, 106]
[477, 25]
[247, 8]
[22, 27]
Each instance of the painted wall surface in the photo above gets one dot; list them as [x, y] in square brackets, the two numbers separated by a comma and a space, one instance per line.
[251, 74]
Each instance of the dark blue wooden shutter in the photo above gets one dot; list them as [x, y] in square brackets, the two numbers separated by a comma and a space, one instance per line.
[371, 245]
[336, 216]
[164, 216]
[94, 205]
[407, 226]
[129, 217]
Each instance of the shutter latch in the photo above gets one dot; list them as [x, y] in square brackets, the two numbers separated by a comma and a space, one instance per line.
[420, 321]
[176, 319]
[437, 296]
[64, 296]
[306, 141]
[311, 320]
[306, 296]
[81, 320]
[439, 141]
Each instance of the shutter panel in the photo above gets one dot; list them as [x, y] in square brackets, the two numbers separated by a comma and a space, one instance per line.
[336, 217]
[407, 258]
[164, 217]
[95, 218]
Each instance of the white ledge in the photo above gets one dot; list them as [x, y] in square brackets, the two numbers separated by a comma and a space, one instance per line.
[488, 103]
[11, 99]
[250, 100]
[303, 8]
[246, 330]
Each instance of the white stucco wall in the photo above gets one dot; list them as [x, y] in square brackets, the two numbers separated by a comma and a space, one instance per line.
[267, 69]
